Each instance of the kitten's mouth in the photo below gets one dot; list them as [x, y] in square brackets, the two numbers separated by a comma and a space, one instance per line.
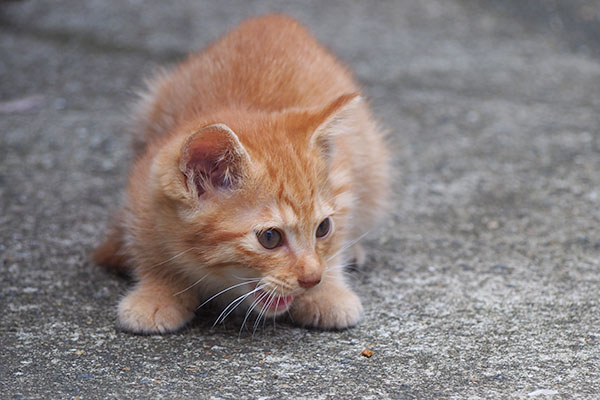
[273, 303]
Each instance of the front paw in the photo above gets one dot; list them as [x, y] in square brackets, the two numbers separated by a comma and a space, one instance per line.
[140, 313]
[333, 308]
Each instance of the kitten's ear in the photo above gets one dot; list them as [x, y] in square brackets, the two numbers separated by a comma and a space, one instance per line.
[334, 119]
[212, 158]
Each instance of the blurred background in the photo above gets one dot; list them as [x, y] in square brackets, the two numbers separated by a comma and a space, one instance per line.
[482, 283]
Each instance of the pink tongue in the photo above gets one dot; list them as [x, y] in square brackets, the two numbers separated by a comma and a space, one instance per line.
[277, 303]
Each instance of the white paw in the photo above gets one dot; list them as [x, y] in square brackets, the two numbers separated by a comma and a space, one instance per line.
[144, 314]
[333, 308]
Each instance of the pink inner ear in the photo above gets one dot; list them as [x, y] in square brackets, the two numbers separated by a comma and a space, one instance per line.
[206, 159]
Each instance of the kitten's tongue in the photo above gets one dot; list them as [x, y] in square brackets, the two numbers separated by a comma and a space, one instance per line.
[278, 303]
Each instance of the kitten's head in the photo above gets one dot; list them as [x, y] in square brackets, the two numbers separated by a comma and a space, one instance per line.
[260, 198]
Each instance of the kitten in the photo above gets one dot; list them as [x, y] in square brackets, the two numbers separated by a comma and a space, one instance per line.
[258, 167]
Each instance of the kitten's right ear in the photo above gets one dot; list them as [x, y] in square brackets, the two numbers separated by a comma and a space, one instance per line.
[335, 119]
[213, 159]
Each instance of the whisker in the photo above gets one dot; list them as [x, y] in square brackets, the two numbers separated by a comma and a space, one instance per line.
[174, 257]
[274, 315]
[242, 278]
[257, 319]
[241, 299]
[225, 290]
[290, 315]
[278, 283]
[335, 267]
[331, 270]
[263, 310]
[264, 315]
[347, 245]
[252, 307]
[191, 286]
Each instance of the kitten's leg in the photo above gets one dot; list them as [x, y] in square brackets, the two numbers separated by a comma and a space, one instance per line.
[157, 306]
[329, 305]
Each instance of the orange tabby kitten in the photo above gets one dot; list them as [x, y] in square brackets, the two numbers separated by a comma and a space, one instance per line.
[258, 168]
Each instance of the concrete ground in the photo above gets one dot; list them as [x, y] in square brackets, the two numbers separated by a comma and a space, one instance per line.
[484, 282]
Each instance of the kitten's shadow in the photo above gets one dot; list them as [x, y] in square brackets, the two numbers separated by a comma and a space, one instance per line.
[237, 325]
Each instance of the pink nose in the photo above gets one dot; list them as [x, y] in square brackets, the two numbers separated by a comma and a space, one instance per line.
[307, 283]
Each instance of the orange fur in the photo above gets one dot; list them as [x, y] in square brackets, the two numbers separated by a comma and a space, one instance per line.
[262, 130]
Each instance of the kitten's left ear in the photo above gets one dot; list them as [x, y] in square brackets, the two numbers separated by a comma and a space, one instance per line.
[335, 119]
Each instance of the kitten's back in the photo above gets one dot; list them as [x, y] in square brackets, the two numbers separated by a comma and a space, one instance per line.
[268, 63]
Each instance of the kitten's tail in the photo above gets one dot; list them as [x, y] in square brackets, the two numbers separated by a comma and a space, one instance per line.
[110, 253]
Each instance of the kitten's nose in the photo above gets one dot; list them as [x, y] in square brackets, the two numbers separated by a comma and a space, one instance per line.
[308, 270]
[309, 282]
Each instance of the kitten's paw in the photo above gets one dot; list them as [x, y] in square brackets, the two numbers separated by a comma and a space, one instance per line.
[145, 314]
[333, 308]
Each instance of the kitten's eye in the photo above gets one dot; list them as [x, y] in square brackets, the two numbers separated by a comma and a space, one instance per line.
[270, 238]
[323, 228]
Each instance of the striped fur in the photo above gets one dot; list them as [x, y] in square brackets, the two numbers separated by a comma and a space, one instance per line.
[264, 129]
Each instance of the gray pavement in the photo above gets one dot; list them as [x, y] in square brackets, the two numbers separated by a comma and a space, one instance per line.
[484, 282]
